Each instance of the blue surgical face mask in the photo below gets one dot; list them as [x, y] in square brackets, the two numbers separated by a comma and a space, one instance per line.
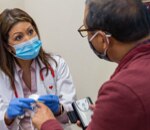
[99, 54]
[28, 50]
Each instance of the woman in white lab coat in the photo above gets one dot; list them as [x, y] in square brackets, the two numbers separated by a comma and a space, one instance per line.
[26, 69]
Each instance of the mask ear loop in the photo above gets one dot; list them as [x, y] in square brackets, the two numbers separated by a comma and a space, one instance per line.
[107, 42]
[106, 39]
[94, 36]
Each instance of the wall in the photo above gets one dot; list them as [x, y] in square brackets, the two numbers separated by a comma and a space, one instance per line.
[11, 4]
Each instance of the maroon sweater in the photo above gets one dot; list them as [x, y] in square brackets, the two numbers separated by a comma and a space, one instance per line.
[123, 102]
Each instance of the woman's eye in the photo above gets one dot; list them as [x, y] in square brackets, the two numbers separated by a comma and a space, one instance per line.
[30, 31]
[18, 38]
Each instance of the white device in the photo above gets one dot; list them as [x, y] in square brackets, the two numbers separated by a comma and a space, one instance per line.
[34, 97]
[83, 111]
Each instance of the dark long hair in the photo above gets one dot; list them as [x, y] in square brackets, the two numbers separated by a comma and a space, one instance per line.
[8, 18]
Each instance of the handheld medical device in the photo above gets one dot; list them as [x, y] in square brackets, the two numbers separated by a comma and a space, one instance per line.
[82, 110]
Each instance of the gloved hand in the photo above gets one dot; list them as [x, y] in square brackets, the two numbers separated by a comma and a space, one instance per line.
[17, 107]
[52, 101]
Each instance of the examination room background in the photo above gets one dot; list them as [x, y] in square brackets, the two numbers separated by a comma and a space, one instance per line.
[58, 22]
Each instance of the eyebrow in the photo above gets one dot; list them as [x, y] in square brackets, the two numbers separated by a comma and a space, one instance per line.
[30, 26]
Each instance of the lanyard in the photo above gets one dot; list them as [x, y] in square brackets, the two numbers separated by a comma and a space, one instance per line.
[41, 76]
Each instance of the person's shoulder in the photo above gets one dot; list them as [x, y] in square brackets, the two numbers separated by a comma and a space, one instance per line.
[56, 57]
[113, 84]
[117, 90]
[57, 61]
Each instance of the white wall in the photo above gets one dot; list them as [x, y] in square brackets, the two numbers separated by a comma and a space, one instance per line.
[11, 4]
[58, 21]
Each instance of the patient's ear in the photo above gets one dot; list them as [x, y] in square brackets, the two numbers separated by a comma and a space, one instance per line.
[104, 39]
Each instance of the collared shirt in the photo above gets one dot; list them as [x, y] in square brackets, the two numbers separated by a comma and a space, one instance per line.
[25, 123]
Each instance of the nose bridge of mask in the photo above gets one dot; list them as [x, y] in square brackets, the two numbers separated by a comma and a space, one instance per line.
[29, 42]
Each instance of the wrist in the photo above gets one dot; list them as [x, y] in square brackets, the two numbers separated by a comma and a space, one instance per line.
[61, 110]
[7, 120]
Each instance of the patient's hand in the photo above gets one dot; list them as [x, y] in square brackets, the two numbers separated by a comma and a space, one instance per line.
[92, 107]
[42, 114]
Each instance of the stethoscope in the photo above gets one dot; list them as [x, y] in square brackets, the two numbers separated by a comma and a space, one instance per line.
[41, 76]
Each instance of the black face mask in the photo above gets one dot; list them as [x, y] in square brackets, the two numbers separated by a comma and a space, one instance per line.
[100, 55]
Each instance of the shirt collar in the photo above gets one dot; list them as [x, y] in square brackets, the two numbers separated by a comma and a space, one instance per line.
[32, 67]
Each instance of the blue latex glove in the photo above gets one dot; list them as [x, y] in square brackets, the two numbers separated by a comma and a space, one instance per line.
[52, 101]
[17, 107]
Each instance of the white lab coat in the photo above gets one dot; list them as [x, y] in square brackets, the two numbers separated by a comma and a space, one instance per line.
[62, 82]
